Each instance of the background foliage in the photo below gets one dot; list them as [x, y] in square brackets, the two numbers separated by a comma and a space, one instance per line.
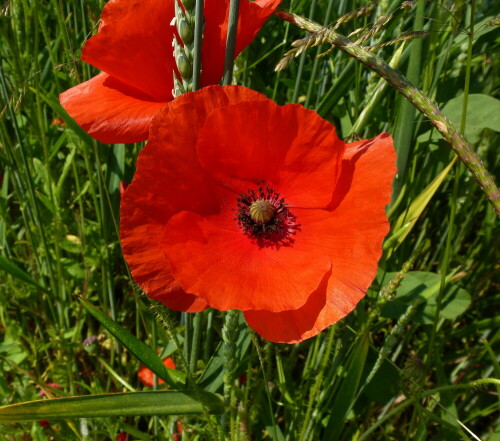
[428, 322]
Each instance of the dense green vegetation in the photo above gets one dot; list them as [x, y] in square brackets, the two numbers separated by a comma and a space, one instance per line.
[409, 363]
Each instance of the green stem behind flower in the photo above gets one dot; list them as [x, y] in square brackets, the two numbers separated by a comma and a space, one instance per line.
[230, 337]
[421, 102]
[232, 28]
[198, 40]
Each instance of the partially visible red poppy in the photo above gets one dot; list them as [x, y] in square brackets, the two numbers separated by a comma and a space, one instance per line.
[133, 48]
[42, 392]
[122, 436]
[238, 203]
[146, 376]
[57, 122]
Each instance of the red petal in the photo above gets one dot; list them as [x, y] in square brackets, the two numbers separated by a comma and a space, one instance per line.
[169, 363]
[290, 148]
[252, 16]
[212, 257]
[146, 376]
[151, 271]
[134, 45]
[110, 111]
[144, 213]
[351, 235]
[168, 179]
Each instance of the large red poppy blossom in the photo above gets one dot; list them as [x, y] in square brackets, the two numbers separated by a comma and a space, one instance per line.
[133, 48]
[238, 203]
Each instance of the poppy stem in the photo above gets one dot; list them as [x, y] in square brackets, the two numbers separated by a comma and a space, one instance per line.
[198, 41]
[230, 333]
[414, 95]
[232, 27]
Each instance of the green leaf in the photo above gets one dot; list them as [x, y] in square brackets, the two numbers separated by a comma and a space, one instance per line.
[139, 349]
[425, 285]
[7, 266]
[111, 405]
[483, 112]
[385, 384]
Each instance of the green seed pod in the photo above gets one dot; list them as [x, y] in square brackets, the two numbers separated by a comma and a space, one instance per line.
[262, 211]
[184, 66]
[185, 31]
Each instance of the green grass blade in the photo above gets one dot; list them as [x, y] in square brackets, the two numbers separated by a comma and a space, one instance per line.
[338, 89]
[408, 219]
[405, 127]
[70, 122]
[7, 266]
[343, 401]
[139, 349]
[110, 405]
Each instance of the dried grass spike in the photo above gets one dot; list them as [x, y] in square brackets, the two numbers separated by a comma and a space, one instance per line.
[361, 12]
[408, 5]
[402, 38]
[324, 54]
[283, 64]
[377, 27]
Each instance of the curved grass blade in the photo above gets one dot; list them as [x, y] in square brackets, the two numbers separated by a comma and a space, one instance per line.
[409, 218]
[70, 122]
[111, 405]
[139, 349]
[343, 400]
[7, 266]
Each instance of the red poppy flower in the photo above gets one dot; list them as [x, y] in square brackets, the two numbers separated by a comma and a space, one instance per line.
[43, 393]
[146, 376]
[133, 48]
[238, 203]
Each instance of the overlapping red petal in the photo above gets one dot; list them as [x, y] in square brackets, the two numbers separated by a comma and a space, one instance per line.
[133, 48]
[210, 146]
[134, 45]
[99, 106]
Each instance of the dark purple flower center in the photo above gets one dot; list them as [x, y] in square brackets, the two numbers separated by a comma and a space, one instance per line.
[264, 215]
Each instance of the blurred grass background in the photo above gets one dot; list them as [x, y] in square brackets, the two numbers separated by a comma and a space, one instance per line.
[365, 378]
